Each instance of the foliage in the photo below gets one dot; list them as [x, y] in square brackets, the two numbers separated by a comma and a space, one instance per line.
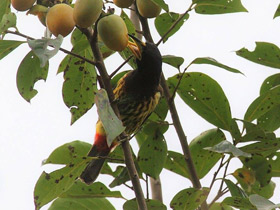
[260, 157]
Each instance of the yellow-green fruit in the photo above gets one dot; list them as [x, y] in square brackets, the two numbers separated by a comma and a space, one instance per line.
[86, 12]
[123, 3]
[60, 19]
[113, 32]
[22, 5]
[148, 8]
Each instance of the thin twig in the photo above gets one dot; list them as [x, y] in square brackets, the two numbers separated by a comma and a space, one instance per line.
[116, 71]
[216, 173]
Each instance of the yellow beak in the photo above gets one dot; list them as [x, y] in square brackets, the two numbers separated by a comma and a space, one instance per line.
[135, 46]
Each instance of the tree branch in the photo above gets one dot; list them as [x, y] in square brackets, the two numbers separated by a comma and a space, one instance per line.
[92, 37]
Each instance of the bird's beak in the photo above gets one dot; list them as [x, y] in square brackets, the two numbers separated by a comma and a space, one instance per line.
[136, 46]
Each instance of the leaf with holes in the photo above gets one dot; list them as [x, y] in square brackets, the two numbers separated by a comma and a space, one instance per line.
[29, 72]
[274, 161]
[238, 202]
[151, 205]
[227, 147]
[81, 203]
[7, 46]
[189, 199]
[205, 96]
[218, 6]
[212, 61]
[265, 53]
[262, 203]
[51, 185]
[79, 85]
[277, 12]
[263, 104]
[175, 162]
[165, 21]
[172, 60]
[8, 21]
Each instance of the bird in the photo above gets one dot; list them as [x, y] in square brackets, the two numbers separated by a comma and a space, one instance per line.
[136, 94]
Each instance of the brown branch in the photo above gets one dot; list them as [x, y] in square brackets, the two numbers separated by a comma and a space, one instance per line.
[92, 37]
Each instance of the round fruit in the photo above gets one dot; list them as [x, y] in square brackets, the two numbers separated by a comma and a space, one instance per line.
[123, 3]
[86, 12]
[148, 8]
[60, 19]
[113, 32]
[22, 5]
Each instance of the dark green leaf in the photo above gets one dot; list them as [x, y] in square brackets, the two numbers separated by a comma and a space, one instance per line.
[263, 104]
[29, 72]
[95, 190]
[176, 163]
[40, 48]
[205, 96]
[234, 189]
[162, 4]
[277, 12]
[204, 160]
[121, 178]
[227, 147]
[151, 205]
[172, 60]
[220, 206]
[212, 61]
[79, 85]
[270, 121]
[7, 46]
[238, 202]
[111, 123]
[260, 166]
[274, 161]
[165, 21]
[269, 83]
[8, 21]
[265, 53]
[189, 199]
[81, 204]
[266, 191]
[262, 203]
[266, 147]
[4, 8]
[129, 25]
[51, 185]
[218, 6]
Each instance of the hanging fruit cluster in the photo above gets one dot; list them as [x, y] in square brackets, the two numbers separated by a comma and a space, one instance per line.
[61, 17]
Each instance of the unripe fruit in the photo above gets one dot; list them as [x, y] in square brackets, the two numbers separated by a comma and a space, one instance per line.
[148, 8]
[123, 3]
[86, 12]
[22, 5]
[113, 32]
[60, 19]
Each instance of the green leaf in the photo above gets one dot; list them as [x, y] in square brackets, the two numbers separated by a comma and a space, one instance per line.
[274, 161]
[95, 190]
[7, 46]
[212, 61]
[151, 205]
[205, 96]
[125, 54]
[260, 166]
[111, 123]
[4, 8]
[277, 12]
[129, 25]
[220, 206]
[121, 178]
[265, 53]
[262, 203]
[189, 199]
[234, 189]
[29, 72]
[162, 4]
[8, 21]
[165, 21]
[204, 160]
[81, 204]
[269, 83]
[152, 153]
[79, 85]
[266, 191]
[172, 60]
[176, 163]
[263, 104]
[218, 6]
[266, 147]
[227, 147]
[238, 202]
[40, 48]
[51, 185]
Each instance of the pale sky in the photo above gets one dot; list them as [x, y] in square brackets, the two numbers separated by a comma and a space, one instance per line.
[29, 132]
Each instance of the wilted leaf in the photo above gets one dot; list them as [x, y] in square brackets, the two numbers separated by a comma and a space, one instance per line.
[7, 46]
[40, 48]
[245, 177]
[189, 199]
[8, 21]
[165, 21]
[172, 60]
[111, 123]
[218, 6]
[151, 205]
[227, 147]
[262, 203]
[212, 61]
[205, 96]
[29, 72]
[265, 53]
